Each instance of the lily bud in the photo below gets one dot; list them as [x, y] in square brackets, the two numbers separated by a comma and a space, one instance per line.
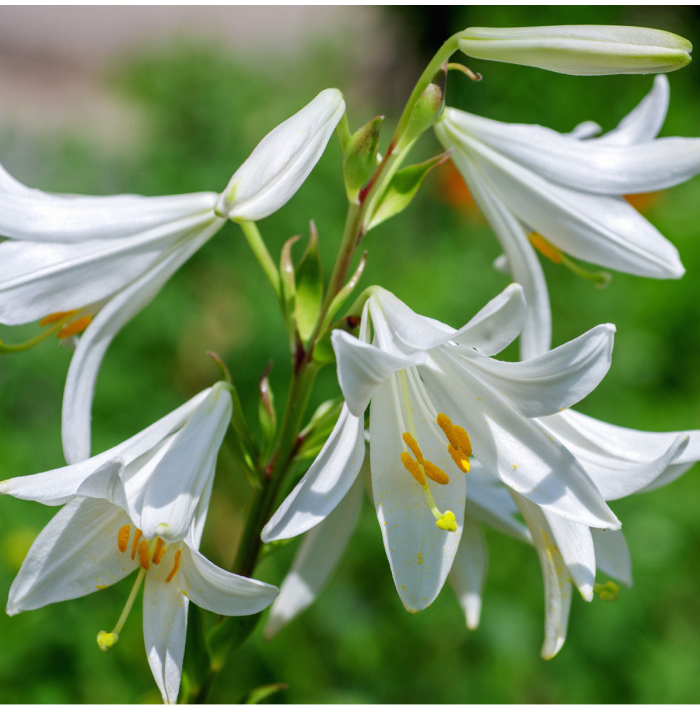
[282, 160]
[427, 109]
[583, 50]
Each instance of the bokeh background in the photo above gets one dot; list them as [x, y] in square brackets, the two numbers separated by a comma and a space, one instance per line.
[163, 100]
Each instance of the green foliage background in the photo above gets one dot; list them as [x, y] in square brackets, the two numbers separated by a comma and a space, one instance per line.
[206, 110]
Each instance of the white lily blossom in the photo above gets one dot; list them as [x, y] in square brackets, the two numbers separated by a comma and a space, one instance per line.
[582, 50]
[563, 194]
[138, 506]
[90, 264]
[421, 376]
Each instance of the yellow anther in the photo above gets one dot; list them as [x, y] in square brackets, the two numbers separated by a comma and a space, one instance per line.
[159, 551]
[106, 640]
[176, 566]
[447, 521]
[135, 543]
[55, 317]
[465, 444]
[411, 442]
[448, 429]
[143, 554]
[461, 460]
[434, 473]
[74, 328]
[123, 537]
[413, 468]
[544, 247]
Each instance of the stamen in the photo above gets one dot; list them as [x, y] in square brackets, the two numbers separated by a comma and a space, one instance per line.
[544, 247]
[55, 317]
[434, 473]
[135, 543]
[123, 536]
[413, 468]
[143, 554]
[159, 551]
[176, 566]
[461, 461]
[443, 420]
[465, 444]
[74, 328]
[411, 442]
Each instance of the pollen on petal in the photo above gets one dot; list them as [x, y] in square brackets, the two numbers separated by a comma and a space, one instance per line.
[74, 328]
[123, 537]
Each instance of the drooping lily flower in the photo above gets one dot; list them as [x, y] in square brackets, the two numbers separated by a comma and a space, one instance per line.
[90, 264]
[437, 398]
[140, 506]
[562, 194]
[580, 49]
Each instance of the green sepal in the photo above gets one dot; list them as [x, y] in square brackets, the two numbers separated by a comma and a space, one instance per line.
[261, 694]
[426, 110]
[266, 412]
[316, 432]
[360, 156]
[195, 666]
[403, 188]
[288, 288]
[309, 287]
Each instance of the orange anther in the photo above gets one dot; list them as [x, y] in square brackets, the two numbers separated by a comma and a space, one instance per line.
[411, 442]
[544, 247]
[143, 554]
[413, 468]
[176, 566]
[434, 473]
[465, 444]
[448, 429]
[159, 551]
[74, 328]
[135, 543]
[461, 461]
[123, 537]
[55, 317]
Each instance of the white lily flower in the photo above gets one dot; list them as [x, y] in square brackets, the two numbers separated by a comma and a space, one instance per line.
[563, 194]
[420, 376]
[582, 50]
[90, 264]
[138, 506]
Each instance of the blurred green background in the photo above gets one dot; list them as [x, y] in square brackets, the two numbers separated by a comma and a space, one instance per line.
[204, 108]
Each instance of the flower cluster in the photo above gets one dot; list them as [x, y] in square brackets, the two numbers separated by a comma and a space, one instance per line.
[446, 438]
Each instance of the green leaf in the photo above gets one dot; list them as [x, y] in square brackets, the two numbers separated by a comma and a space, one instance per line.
[288, 284]
[195, 667]
[260, 694]
[266, 411]
[316, 432]
[309, 288]
[402, 189]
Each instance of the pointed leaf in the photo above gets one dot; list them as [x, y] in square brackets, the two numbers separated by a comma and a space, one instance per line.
[309, 287]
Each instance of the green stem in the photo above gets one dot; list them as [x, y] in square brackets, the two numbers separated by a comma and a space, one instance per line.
[257, 245]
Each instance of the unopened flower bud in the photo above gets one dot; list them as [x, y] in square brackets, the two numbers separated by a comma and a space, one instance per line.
[580, 49]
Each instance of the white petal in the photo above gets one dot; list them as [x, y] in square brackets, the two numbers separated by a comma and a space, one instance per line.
[363, 367]
[37, 279]
[325, 484]
[622, 461]
[607, 168]
[82, 373]
[644, 122]
[180, 478]
[612, 555]
[469, 572]
[164, 633]
[316, 560]
[597, 228]
[522, 261]
[555, 380]
[282, 160]
[575, 545]
[420, 555]
[32, 215]
[220, 591]
[517, 450]
[75, 554]
[557, 587]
